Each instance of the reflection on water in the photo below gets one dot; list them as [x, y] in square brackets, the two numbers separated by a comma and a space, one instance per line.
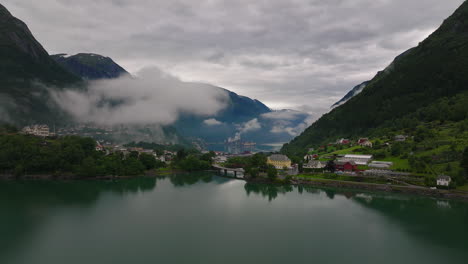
[411, 224]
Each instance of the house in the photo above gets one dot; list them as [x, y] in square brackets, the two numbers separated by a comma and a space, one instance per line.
[99, 147]
[310, 157]
[400, 138]
[37, 130]
[364, 142]
[343, 141]
[359, 159]
[346, 165]
[443, 180]
[279, 161]
[314, 164]
[220, 159]
[381, 164]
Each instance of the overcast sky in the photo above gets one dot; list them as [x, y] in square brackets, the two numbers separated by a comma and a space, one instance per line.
[295, 54]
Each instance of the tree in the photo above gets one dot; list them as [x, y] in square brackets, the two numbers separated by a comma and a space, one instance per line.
[148, 161]
[253, 172]
[464, 161]
[331, 167]
[272, 173]
[181, 154]
[132, 167]
[208, 157]
[88, 168]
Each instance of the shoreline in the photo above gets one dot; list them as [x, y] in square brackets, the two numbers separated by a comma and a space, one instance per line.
[419, 191]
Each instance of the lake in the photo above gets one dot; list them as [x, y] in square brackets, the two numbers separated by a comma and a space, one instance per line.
[202, 218]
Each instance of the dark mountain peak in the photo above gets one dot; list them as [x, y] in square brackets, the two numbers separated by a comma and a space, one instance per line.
[457, 23]
[16, 34]
[90, 66]
[23, 57]
[4, 12]
[25, 71]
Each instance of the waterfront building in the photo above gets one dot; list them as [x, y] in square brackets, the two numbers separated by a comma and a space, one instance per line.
[444, 180]
[279, 161]
[346, 165]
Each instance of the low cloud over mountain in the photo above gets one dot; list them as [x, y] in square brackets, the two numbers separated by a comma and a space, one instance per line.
[153, 97]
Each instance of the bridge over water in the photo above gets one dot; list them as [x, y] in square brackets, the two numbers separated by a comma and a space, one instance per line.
[236, 172]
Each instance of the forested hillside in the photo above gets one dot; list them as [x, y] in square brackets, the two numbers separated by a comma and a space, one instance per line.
[428, 83]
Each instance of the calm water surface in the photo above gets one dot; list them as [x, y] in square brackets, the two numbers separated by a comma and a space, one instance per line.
[200, 218]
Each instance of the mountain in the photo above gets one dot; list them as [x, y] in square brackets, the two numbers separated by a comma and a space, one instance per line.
[90, 66]
[428, 83]
[26, 72]
[355, 91]
[248, 117]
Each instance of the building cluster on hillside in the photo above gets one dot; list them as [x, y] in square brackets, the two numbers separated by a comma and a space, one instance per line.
[37, 130]
[167, 156]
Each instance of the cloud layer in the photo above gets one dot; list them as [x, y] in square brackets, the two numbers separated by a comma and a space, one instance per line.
[154, 97]
[301, 54]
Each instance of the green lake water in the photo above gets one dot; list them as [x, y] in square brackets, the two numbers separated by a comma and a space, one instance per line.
[201, 218]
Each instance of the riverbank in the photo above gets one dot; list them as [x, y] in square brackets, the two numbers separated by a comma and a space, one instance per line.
[70, 176]
[421, 191]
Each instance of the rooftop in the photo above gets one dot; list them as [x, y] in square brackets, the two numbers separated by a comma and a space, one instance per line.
[279, 157]
[353, 156]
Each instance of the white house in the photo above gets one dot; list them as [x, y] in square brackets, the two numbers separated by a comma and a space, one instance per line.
[381, 164]
[358, 159]
[314, 164]
[37, 130]
[400, 138]
[443, 180]
[365, 142]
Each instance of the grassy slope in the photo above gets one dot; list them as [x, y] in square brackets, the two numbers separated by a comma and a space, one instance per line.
[439, 151]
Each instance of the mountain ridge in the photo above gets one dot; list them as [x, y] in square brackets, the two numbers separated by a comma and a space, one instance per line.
[26, 74]
[90, 66]
[433, 70]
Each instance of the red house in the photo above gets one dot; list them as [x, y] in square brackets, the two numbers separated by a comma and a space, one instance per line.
[346, 165]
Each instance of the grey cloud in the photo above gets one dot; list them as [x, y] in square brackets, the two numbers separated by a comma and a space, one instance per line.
[301, 54]
[212, 122]
[154, 97]
[249, 126]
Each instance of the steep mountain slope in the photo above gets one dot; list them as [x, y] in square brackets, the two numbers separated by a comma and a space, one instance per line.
[249, 117]
[355, 91]
[90, 66]
[25, 70]
[359, 88]
[435, 71]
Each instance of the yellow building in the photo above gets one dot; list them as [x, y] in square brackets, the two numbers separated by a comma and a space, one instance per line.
[279, 161]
